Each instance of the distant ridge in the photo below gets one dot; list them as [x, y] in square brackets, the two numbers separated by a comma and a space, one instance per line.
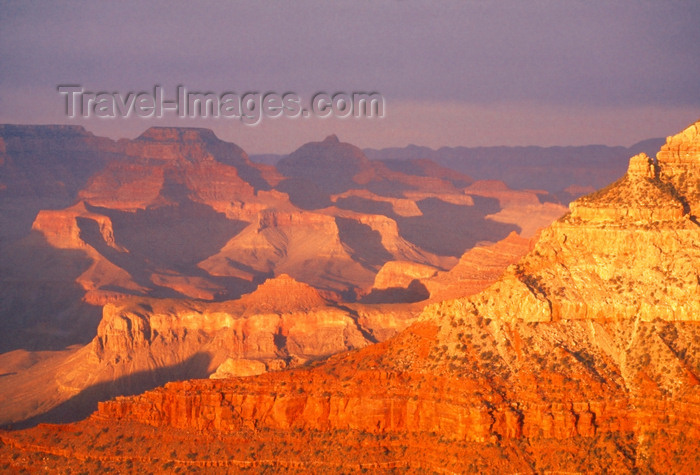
[553, 169]
[530, 167]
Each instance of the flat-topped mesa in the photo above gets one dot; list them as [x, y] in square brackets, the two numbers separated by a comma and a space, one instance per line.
[177, 134]
[273, 218]
[395, 274]
[191, 145]
[167, 165]
[64, 229]
[173, 144]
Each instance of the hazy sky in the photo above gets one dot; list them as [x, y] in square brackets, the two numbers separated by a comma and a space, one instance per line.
[452, 73]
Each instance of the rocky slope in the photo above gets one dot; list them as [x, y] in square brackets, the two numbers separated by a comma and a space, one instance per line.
[178, 213]
[628, 251]
[128, 258]
[143, 342]
[48, 164]
[478, 268]
[582, 358]
[166, 185]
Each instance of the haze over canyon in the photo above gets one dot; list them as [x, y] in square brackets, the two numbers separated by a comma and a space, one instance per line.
[333, 312]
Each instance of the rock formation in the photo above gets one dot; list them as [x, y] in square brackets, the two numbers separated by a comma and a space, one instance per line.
[583, 357]
[283, 323]
[630, 250]
[584, 345]
[477, 269]
[113, 251]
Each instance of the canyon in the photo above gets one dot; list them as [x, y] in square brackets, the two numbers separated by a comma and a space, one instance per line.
[570, 349]
[126, 264]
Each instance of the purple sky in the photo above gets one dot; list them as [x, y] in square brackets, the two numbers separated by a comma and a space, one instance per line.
[461, 73]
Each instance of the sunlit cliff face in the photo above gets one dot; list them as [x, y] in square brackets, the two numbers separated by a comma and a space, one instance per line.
[582, 357]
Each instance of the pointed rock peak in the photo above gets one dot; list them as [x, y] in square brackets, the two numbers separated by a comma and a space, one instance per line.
[178, 134]
[313, 159]
[285, 281]
[642, 166]
[282, 294]
[515, 237]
